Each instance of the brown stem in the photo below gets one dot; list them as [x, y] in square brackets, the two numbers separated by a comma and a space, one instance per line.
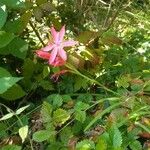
[37, 33]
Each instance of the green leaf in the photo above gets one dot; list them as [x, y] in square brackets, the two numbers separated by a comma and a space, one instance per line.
[80, 83]
[46, 112]
[18, 48]
[11, 93]
[4, 73]
[15, 4]
[60, 116]
[101, 144]
[17, 26]
[117, 138]
[42, 135]
[46, 85]
[46, 71]
[136, 145]
[39, 2]
[20, 110]
[23, 132]
[85, 145]
[81, 106]
[66, 134]
[56, 100]
[7, 116]
[11, 147]
[80, 115]
[86, 36]
[7, 82]
[5, 38]
[3, 14]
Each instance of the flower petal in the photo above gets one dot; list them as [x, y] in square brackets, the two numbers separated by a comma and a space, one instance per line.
[53, 55]
[58, 62]
[47, 48]
[69, 43]
[44, 55]
[62, 54]
[61, 34]
[55, 34]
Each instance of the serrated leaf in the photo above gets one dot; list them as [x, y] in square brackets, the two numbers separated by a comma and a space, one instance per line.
[23, 132]
[7, 82]
[101, 144]
[66, 134]
[7, 116]
[11, 93]
[11, 147]
[85, 145]
[20, 110]
[5, 38]
[56, 100]
[80, 115]
[3, 14]
[60, 116]
[81, 106]
[46, 112]
[136, 145]
[42, 135]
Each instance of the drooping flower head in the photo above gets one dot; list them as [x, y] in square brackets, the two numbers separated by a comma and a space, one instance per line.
[57, 55]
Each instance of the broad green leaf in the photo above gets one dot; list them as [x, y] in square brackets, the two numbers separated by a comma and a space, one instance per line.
[3, 14]
[15, 4]
[20, 110]
[7, 116]
[4, 73]
[18, 48]
[7, 82]
[5, 38]
[17, 26]
[11, 147]
[60, 116]
[85, 145]
[23, 132]
[42, 135]
[11, 93]
[86, 36]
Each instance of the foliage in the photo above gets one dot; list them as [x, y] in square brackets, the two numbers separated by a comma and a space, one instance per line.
[100, 101]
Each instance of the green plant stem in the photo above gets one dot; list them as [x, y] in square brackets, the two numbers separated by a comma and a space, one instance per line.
[142, 126]
[75, 71]
[99, 116]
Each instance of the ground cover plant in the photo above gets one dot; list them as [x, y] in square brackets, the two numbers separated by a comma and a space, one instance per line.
[74, 75]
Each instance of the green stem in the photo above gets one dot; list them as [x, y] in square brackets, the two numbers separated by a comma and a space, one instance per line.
[75, 71]
[99, 116]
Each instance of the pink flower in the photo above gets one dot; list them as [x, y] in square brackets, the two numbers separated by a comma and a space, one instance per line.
[56, 46]
[45, 55]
